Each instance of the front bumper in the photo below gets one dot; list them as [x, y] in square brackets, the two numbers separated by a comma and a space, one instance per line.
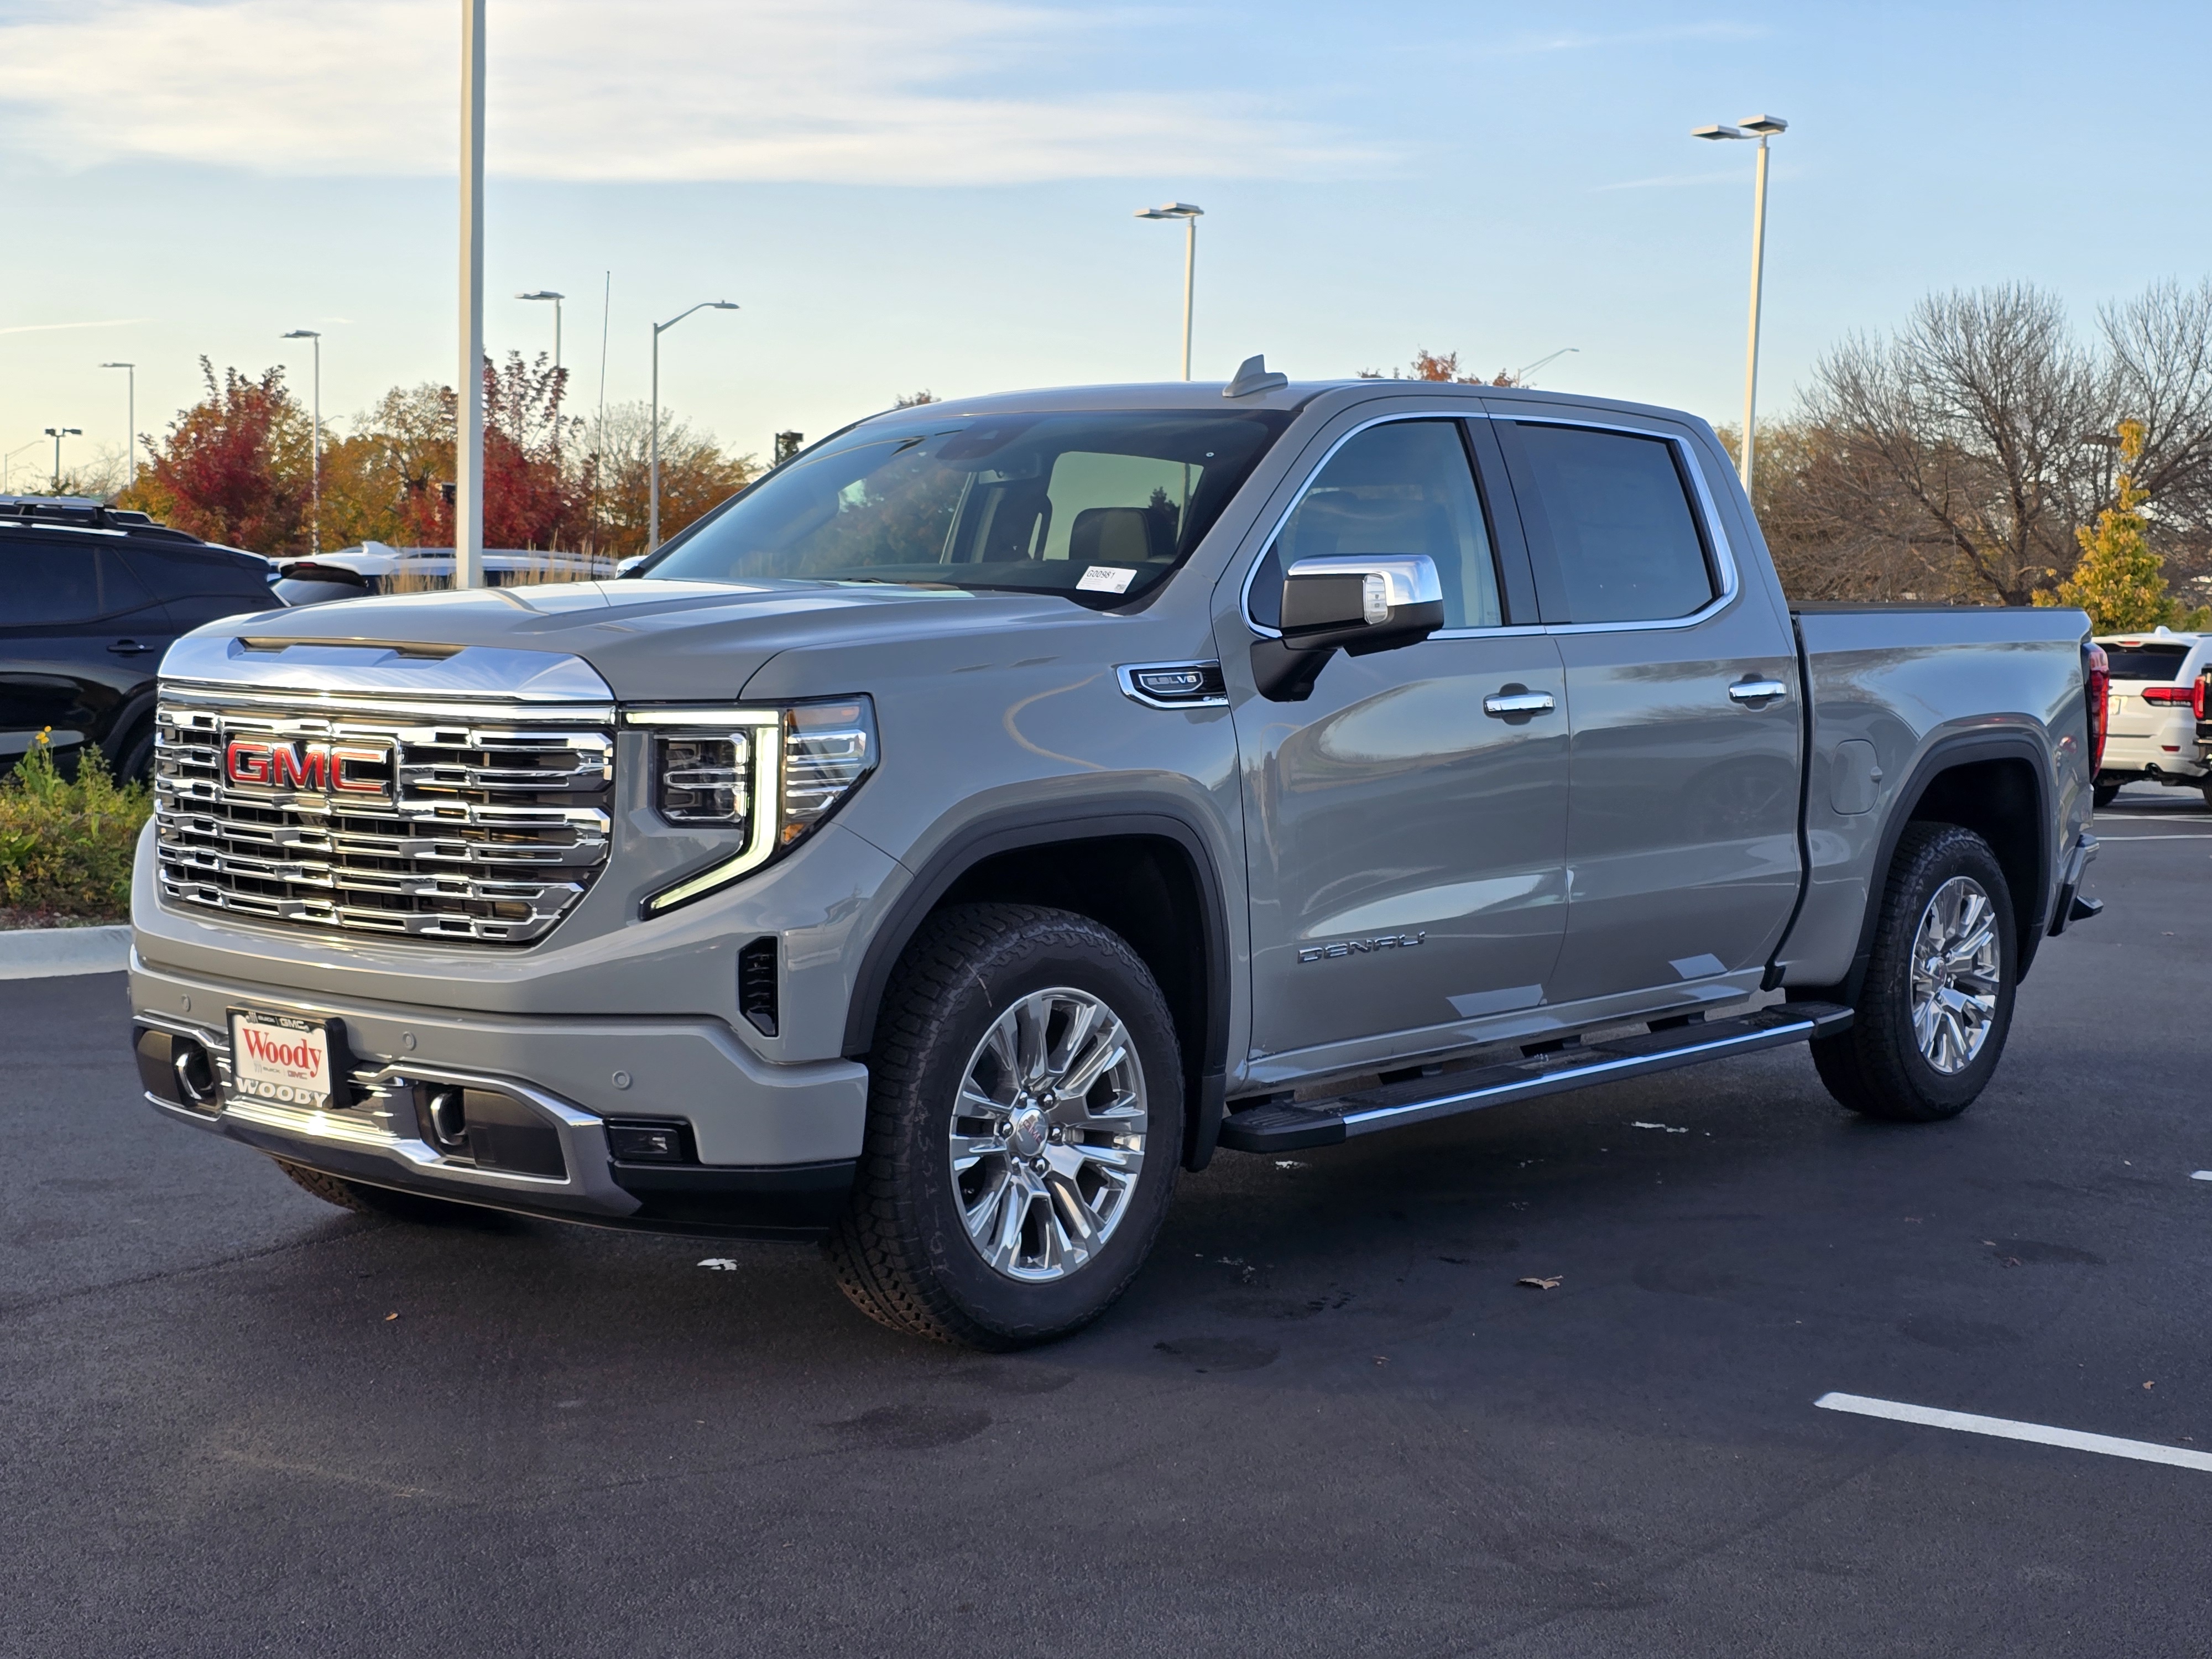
[768, 1150]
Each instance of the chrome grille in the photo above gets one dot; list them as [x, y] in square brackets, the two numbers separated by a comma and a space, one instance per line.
[483, 824]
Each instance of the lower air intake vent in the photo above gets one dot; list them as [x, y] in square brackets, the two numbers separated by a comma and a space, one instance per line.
[756, 985]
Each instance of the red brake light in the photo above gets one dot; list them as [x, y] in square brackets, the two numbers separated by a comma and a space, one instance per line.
[2196, 695]
[2171, 696]
[2096, 683]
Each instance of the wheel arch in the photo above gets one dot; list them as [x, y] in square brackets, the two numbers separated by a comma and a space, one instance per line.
[1141, 867]
[1998, 785]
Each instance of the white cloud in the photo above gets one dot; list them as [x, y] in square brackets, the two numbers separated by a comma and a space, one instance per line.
[911, 92]
[50, 328]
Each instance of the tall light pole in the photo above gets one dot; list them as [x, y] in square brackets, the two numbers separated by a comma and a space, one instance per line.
[652, 468]
[130, 434]
[58, 433]
[468, 458]
[548, 293]
[1761, 127]
[315, 532]
[1190, 217]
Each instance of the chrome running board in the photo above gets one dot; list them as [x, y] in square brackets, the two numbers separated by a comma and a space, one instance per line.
[1284, 1126]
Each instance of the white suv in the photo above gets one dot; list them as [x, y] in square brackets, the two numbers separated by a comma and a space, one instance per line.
[2151, 713]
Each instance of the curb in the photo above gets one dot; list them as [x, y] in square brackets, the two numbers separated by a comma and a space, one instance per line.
[49, 952]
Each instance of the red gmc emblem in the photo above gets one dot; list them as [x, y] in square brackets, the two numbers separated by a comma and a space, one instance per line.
[307, 768]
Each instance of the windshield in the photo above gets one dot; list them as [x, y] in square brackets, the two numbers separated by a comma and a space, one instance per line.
[1099, 507]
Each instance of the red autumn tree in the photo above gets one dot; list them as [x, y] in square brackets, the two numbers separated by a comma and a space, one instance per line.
[235, 467]
[537, 489]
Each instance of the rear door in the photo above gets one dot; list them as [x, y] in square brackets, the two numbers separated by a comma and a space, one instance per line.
[1404, 843]
[1686, 723]
[202, 584]
[79, 640]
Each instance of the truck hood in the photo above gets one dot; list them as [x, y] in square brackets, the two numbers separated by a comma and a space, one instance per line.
[649, 641]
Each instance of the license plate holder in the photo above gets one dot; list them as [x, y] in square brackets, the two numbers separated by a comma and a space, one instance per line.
[288, 1059]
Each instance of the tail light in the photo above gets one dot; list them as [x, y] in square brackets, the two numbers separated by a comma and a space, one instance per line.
[2196, 695]
[2096, 683]
[2173, 697]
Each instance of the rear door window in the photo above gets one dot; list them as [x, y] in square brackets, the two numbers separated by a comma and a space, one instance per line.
[1624, 536]
[203, 584]
[2146, 660]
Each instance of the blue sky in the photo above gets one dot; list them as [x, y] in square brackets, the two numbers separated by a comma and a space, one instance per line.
[906, 193]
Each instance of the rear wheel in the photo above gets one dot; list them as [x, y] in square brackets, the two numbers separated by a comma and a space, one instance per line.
[1937, 1002]
[359, 1195]
[1024, 1124]
[2102, 795]
[2205, 784]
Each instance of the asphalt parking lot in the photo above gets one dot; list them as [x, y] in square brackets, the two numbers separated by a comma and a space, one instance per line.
[1326, 1420]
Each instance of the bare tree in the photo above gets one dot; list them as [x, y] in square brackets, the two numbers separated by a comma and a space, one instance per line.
[1965, 429]
[2159, 368]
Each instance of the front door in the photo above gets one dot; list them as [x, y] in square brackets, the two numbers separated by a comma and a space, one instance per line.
[1405, 841]
[1682, 682]
[79, 636]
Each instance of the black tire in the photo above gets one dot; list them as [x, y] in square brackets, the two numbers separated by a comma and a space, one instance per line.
[360, 1196]
[2102, 795]
[901, 1252]
[1877, 1068]
[2205, 785]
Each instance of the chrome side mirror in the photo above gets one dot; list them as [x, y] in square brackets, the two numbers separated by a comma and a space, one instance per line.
[1354, 602]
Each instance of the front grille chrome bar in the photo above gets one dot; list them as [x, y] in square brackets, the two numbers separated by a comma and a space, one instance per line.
[483, 824]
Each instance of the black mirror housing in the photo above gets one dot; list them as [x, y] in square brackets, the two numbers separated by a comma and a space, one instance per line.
[1357, 603]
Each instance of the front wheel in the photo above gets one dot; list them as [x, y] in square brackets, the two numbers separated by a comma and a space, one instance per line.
[1024, 1124]
[1937, 1001]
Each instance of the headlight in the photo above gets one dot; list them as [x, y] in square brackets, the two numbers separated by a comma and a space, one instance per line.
[767, 775]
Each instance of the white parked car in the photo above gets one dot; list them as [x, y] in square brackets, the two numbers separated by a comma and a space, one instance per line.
[2151, 712]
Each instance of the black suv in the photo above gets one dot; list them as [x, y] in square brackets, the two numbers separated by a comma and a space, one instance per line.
[90, 599]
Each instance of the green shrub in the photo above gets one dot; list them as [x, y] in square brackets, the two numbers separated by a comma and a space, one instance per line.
[65, 843]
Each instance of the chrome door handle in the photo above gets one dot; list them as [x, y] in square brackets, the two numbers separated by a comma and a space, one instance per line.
[1518, 702]
[1755, 693]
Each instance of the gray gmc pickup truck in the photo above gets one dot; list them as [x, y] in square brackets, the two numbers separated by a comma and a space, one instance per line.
[1006, 803]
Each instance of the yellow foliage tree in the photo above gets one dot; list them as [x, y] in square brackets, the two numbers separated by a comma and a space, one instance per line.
[2119, 582]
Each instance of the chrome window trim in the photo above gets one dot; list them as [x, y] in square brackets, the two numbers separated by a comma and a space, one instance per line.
[1244, 594]
[1707, 509]
[1125, 673]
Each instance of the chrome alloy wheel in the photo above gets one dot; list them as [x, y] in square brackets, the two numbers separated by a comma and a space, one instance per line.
[1955, 974]
[1048, 1134]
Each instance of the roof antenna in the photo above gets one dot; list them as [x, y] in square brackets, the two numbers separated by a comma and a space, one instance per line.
[1252, 376]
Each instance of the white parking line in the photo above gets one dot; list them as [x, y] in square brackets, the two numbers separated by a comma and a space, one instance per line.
[2143, 1452]
[2105, 840]
[2202, 1175]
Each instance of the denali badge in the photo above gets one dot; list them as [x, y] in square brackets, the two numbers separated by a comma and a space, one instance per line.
[1360, 947]
[307, 768]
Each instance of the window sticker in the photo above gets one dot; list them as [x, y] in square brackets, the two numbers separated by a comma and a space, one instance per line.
[1106, 579]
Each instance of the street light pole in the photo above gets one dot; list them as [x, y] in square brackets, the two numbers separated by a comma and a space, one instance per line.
[652, 467]
[548, 293]
[1761, 127]
[58, 432]
[468, 460]
[130, 436]
[1190, 217]
[315, 532]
